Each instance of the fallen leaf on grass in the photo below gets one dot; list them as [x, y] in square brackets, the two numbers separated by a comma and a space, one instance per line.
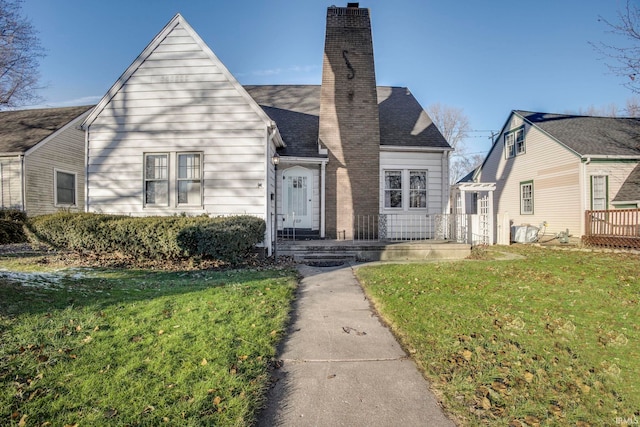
[23, 421]
[555, 410]
[204, 362]
[528, 376]
[486, 403]
[467, 355]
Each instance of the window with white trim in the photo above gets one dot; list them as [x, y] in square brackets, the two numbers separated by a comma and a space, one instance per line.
[526, 198]
[393, 189]
[514, 144]
[599, 192]
[189, 179]
[418, 189]
[65, 185]
[405, 189]
[156, 179]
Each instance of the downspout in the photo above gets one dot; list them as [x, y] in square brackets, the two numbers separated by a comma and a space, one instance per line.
[446, 188]
[86, 170]
[585, 194]
[271, 134]
[23, 182]
[323, 173]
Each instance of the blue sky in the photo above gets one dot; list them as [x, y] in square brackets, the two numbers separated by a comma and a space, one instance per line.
[487, 58]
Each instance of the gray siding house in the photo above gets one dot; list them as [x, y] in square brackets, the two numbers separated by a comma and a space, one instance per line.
[177, 134]
[42, 160]
[553, 167]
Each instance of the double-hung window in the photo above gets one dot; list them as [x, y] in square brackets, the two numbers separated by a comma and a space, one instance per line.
[520, 148]
[599, 192]
[405, 189]
[189, 179]
[418, 189]
[393, 189]
[156, 179]
[166, 185]
[65, 184]
[526, 198]
[514, 143]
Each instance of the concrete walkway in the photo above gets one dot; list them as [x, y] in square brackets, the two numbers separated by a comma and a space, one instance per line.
[341, 366]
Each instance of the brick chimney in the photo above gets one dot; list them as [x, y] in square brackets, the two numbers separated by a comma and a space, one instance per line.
[349, 121]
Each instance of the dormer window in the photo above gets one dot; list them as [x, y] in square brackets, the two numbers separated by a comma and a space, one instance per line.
[514, 143]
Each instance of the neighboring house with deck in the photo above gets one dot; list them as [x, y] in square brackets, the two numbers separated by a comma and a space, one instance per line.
[42, 160]
[177, 133]
[553, 167]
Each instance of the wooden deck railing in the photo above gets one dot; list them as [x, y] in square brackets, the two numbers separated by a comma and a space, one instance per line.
[619, 228]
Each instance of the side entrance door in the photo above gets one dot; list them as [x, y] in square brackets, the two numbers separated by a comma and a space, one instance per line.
[297, 183]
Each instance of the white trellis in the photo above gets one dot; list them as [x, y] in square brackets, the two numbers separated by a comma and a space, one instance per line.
[472, 208]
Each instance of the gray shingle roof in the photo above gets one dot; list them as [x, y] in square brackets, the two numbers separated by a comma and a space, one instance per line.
[630, 190]
[296, 109]
[586, 135]
[21, 130]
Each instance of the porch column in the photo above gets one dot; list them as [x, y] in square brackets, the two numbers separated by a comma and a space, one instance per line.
[490, 207]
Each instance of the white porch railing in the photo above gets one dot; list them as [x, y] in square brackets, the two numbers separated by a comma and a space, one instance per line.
[398, 227]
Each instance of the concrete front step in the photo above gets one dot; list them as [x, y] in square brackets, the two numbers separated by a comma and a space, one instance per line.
[327, 251]
[324, 258]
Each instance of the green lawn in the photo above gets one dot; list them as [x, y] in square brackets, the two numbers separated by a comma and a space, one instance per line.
[552, 338]
[133, 347]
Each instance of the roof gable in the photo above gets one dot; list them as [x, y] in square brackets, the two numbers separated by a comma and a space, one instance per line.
[177, 23]
[22, 130]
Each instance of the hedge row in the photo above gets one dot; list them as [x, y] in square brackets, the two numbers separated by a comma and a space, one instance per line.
[224, 238]
[12, 226]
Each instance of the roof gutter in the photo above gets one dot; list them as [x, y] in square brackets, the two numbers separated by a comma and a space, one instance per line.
[590, 157]
[414, 148]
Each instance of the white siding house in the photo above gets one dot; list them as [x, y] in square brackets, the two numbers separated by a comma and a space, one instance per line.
[178, 134]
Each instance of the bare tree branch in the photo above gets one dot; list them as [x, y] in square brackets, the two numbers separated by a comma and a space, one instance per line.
[626, 56]
[20, 53]
[454, 126]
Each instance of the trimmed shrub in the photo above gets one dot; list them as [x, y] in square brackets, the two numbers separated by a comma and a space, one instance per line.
[224, 238]
[227, 239]
[12, 226]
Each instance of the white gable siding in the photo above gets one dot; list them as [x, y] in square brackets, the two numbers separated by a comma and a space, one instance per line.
[415, 160]
[179, 99]
[555, 172]
[63, 152]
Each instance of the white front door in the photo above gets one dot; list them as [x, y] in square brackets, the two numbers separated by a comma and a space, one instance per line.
[297, 183]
